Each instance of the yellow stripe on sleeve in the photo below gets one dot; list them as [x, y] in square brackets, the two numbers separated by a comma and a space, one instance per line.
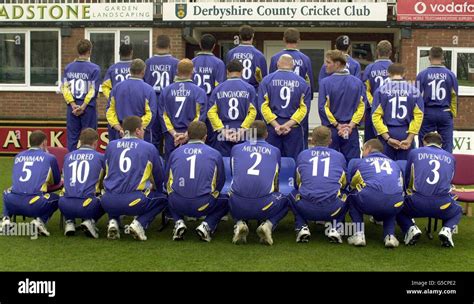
[415, 124]
[267, 113]
[300, 114]
[146, 119]
[111, 114]
[377, 120]
[213, 116]
[359, 113]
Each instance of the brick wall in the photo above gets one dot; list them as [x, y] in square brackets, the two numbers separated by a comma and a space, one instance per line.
[51, 106]
[442, 38]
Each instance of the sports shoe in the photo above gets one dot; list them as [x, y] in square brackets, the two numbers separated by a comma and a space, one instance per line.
[204, 232]
[446, 237]
[412, 235]
[241, 230]
[357, 239]
[136, 229]
[264, 231]
[334, 236]
[89, 228]
[373, 220]
[113, 230]
[391, 241]
[303, 234]
[179, 230]
[69, 228]
[5, 225]
[40, 226]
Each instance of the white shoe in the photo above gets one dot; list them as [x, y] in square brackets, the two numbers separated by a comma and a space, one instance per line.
[89, 228]
[264, 231]
[303, 235]
[241, 230]
[372, 220]
[69, 228]
[357, 239]
[40, 226]
[5, 225]
[412, 235]
[113, 230]
[179, 230]
[136, 229]
[334, 236]
[446, 237]
[204, 232]
[391, 241]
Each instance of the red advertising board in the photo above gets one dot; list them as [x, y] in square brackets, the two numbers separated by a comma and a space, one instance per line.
[435, 10]
[14, 139]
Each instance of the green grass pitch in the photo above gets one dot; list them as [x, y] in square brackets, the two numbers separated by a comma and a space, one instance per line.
[160, 253]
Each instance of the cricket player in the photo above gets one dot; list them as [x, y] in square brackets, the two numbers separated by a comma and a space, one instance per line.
[341, 105]
[195, 177]
[80, 86]
[375, 75]
[320, 183]
[284, 99]
[343, 44]
[377, 183]
[429, 174]
[397, 113]
[182, 102]
[33, 171]
[254, 190]
[132, 97]
[301, 66]
[83, 172]
[254, 62]
[209, 72]
[439, 87]
[160, 73]
[119, 71]
[232, 109]
[133, 182]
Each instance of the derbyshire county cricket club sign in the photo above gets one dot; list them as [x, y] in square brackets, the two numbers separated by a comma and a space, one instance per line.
[76, 12]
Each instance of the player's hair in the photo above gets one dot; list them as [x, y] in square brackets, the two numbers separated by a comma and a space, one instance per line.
[84, 46]
[336, 56]
[197, 130]
[375, 144]
[343, 43]
[285, 62]
[125, 50]
[321, 136]
[37, 138]
[88, 137]
[291, 35]
[246, 32]
[131, 123]
[436, 52]
[234, 66]
[137, 66]
[207, 42]
[261, 128]
[396, 69]
[163, 42]
[384, 48]
[433, 138]
[185, 67]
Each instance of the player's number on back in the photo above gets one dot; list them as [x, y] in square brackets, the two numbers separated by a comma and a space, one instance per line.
[435, 179]
[120, 77]
[205, 81]
[125, 163]
[258, 159]
[385, 166]
[80, 171]
[380, 81]
[233, 108]
[162, 80]
[285, 94]
[78, 88]
[181, 100]
[297, 70]
[437, 91]
[397, 105]
[27, 171]
[192, 166]
[315, 161]
[247, 71]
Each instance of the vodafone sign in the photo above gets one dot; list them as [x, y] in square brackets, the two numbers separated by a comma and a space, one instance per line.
[435, 10]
